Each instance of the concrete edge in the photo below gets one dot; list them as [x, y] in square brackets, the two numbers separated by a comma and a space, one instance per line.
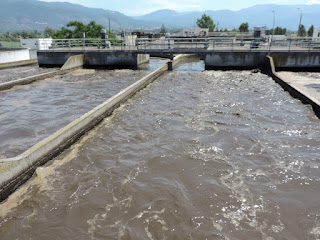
[289, 88]
[28, 80]
[18, 64]
[23, 166]
[180, 58]
[73, 62]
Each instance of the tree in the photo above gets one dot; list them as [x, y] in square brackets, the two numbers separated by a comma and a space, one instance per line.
[302, 31]
[78, 28]
[310, 31]
[62, 33]
[75, 29]
[92, 30]
[49, 31]
[24, 34]
[206, 22]
[244, 27]
[284, 31]
[163, 29]
[278, 31]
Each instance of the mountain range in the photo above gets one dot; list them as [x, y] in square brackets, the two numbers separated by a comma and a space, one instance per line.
[34, 14]
[287, 16]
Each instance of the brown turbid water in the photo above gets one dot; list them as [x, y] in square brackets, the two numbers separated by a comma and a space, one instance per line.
[195, 155]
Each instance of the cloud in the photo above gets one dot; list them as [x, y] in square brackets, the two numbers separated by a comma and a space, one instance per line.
[311, 2]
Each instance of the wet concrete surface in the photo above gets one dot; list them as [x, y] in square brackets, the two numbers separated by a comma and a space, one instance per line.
[306, 83]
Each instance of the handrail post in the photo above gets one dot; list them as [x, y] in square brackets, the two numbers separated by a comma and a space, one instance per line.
[309, 45]
[290, 44]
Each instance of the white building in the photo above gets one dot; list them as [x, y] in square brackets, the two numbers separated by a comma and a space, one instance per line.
[316, 35]
[196, 32]
[130, 40]
[37, 43]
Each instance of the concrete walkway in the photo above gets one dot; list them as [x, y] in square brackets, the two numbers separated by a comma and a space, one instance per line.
[307, 85]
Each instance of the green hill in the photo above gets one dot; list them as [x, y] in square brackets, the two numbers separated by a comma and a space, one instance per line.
[28, 14]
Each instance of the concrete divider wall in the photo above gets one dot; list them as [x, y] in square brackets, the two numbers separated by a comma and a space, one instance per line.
[18, 64]
[28, 80]
[271, 71]
[14, 55]
[15, 171]
[180, 58]
[33, 54]
[143, 58]
[74, 62]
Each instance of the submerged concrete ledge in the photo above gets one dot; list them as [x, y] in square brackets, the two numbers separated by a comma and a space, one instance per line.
[18, 64]
[296, 91]
[17, 170]
[72, 63]
[27, 80]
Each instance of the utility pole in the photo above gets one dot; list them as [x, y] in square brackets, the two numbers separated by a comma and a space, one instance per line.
[301, 11]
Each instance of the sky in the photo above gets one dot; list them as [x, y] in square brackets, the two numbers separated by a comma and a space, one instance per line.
[140, 7]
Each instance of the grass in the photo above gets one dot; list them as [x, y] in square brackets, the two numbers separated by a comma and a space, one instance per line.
[10, 44]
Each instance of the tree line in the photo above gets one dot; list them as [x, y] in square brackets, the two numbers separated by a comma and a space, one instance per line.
[206, 22]
[73, 29]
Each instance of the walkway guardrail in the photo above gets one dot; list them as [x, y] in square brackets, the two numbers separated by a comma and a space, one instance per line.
[183, 44]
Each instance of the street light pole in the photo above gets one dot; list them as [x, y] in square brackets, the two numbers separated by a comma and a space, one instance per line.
[42, 23]
[109, 20]
[274, 18]
[301, 11]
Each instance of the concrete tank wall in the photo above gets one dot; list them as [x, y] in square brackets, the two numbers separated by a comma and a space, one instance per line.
[296, 59]
[255, 59]
[229, 60]
[8, 55]
[51, 58]
[94, 59]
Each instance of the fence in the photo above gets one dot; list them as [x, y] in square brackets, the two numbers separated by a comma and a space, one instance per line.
[183, 44]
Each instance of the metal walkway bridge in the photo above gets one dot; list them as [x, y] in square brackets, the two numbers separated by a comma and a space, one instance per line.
[182, 45]
[218, 53]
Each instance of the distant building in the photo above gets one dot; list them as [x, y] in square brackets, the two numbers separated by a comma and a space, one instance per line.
[316, 35]
[196, 32]
[37, 43]
[130, 40]
[261, 32]
[276, 38]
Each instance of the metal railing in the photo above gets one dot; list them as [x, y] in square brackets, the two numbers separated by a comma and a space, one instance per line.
[173, 44]
[177, 44]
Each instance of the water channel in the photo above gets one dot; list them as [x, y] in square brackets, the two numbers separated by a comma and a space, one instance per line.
[196, 155]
